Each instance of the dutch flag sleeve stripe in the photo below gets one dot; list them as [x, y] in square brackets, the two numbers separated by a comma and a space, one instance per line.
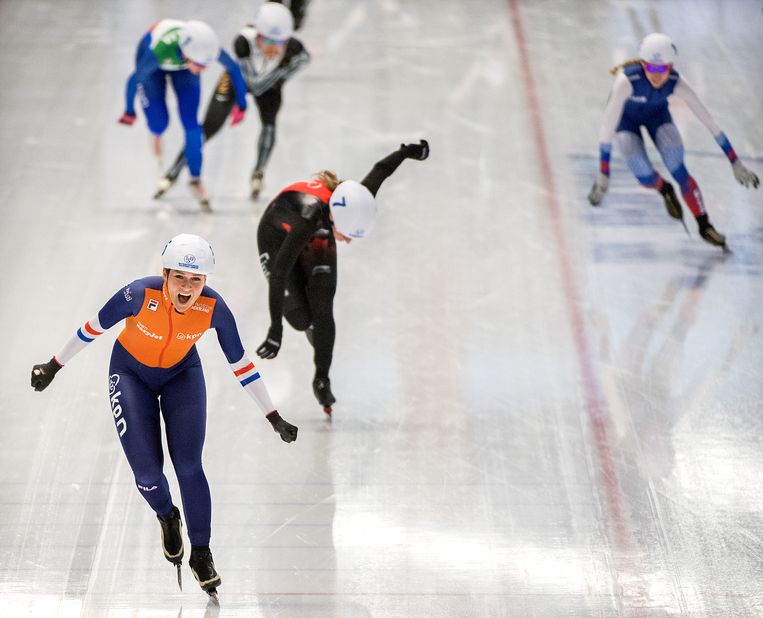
[250, 379]
[238, 372]
[245, 370]
[92, 330]
[84, 335]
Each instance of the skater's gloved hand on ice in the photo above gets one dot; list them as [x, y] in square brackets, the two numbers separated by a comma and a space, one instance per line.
[287, 431]
[418, 151]
[236, 115]
[599, 189]
[743, 175]
[269, 348]
[42, 375]
[127, 119]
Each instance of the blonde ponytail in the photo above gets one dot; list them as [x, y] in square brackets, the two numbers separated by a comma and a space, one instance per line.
[622, 65]
[328, 178]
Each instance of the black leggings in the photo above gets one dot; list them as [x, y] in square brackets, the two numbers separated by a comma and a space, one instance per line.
[310, 286]
[223, 98]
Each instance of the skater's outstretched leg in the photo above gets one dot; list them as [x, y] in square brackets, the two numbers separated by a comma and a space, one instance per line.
[693, 198]
[265, 145]
[319, 263]
[217, 111]
[632, 146]
[268, 104]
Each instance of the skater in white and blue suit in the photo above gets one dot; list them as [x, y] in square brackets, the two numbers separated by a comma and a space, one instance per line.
[639, 98]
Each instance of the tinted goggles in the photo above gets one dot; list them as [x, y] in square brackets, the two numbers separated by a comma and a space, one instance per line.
[269, 41]
[656, 68]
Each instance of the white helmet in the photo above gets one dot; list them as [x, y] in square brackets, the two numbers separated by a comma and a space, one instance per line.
[274, 21]
[199, 43]
[189, 253]
[657, 48]
[353, 209]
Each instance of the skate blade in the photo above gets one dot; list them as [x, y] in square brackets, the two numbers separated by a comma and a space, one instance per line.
[328, 410]
[213, 598]
[256, 189]
[686, 228]
[180, 577]
[715, 242]
[162, 186]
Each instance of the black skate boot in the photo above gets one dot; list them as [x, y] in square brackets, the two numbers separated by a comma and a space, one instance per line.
[203, 569]
[322, 391]
[172, 539]
[710, 234]
[256, 183]
[672, 205]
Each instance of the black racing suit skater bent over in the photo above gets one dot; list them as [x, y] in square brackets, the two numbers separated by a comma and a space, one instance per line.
[296, 238]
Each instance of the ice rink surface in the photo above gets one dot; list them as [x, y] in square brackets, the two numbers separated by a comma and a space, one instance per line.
[544, 409]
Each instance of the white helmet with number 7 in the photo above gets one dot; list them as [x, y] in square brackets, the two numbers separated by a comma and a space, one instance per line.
[353, 209]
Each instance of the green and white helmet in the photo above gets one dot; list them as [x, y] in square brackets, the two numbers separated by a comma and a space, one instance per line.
[199, 43]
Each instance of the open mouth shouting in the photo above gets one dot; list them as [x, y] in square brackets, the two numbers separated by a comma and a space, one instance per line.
[184, 288]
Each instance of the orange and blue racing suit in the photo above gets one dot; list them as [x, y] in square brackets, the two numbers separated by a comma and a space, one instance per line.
[155, 369]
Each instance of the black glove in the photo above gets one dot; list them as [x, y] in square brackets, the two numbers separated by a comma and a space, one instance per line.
[418, 151]
[287, 431]
[269, 348]
[42, 375]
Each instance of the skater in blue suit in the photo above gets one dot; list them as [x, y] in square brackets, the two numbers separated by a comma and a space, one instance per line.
[181, 51]
[639, 99]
